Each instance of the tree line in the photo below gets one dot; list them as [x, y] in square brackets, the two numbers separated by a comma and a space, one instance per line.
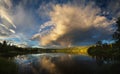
[7, 49]
[107, 51]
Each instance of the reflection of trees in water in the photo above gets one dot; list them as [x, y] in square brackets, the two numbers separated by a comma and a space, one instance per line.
[67, 64]
[101, 60]
[64, 64]
[109, 53]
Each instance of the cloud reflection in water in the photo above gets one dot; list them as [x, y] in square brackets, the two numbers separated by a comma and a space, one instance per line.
[54, 64]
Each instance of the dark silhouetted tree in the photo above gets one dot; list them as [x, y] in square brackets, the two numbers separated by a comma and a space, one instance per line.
[116, 35]
[108, 51]
[4, 43]
[99, 43]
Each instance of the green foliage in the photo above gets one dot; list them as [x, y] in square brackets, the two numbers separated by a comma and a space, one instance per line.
[101, 50]
[105, 50]
[9, 50]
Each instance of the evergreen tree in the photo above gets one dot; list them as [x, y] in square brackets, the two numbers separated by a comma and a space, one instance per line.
[99, 43]
[116, 34]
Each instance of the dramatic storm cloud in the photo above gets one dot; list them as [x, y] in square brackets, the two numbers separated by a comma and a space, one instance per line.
[74, 24]
[57, 22]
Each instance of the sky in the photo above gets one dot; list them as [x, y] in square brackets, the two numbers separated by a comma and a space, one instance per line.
[54, 23]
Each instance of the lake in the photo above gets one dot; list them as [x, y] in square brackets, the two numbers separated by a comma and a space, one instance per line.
[62, 63]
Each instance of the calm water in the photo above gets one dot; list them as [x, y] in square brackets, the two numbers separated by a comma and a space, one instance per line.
[60, 63]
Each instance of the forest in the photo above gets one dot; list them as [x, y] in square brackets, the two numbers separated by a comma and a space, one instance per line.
[108, 51]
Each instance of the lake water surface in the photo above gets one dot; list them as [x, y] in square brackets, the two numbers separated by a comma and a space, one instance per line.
[61, 63]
